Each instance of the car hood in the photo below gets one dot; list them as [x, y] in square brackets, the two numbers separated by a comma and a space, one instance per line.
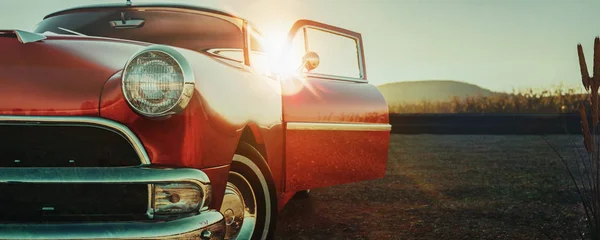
[60, 75]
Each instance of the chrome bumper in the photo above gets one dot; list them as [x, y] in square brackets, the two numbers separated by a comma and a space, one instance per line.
[208, 224]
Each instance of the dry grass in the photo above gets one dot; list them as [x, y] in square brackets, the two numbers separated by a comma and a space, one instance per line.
[556, 100]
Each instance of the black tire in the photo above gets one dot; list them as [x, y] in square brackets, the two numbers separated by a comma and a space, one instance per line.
[249, 167]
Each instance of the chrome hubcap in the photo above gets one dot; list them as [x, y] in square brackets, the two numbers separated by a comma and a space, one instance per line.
[239, 208]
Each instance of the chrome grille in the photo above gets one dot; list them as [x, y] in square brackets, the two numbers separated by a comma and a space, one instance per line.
[63, 146]
[27, 141]
[44, 147]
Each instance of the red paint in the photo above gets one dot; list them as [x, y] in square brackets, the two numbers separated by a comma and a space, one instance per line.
[184, 140]
[324, 158]
[217, 183]
[207, 132]
[331, 101]
[283, 199]
[56, 77]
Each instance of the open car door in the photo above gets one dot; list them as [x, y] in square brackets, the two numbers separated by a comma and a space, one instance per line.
[337, 128]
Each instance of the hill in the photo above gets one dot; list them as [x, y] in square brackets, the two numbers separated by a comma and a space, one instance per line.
[430, 90]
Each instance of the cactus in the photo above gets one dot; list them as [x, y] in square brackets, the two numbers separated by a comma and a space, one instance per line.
[587, 182]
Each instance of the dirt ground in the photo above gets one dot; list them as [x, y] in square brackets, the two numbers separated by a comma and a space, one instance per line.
[449, 187]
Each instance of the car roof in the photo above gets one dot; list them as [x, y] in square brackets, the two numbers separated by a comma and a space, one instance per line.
[143, 5]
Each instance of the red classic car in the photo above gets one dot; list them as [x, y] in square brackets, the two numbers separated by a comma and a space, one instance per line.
[168, 122]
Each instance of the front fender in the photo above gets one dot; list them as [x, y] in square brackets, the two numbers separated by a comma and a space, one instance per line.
[186, 139]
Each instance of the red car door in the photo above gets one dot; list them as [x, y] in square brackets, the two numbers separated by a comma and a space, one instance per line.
[337, 128]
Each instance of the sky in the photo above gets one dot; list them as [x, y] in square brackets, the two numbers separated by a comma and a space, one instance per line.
[499, 45]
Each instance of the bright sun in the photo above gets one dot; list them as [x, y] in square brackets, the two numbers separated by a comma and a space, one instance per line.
[285, 59]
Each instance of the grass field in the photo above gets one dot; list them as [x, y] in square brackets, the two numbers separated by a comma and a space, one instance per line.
[449, 187]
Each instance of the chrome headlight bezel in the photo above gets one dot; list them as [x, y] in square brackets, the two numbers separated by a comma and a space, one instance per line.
[188, 81]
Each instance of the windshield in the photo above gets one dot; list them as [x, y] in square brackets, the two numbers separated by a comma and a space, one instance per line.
[194, 31]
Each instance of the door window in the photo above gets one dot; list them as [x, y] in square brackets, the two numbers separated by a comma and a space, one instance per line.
[338, 54]
[340, 51]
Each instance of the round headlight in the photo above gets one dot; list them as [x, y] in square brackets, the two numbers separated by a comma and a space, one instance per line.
[158, 81]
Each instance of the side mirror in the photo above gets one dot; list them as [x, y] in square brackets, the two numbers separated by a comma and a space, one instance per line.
[310, 60]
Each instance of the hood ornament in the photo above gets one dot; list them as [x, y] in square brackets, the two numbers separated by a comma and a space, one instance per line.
[25, 36]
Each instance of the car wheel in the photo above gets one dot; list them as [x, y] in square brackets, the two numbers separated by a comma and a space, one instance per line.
[249, 204]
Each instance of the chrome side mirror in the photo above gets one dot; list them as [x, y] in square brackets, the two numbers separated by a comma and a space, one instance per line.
[310, 60]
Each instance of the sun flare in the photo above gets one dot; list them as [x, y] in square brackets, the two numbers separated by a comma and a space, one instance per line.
[284, 58]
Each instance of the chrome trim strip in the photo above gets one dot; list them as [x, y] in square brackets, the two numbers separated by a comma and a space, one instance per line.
[106, 175]
[28, 37]
[116, 230]
[332, 77]
[213, 53]
[339, 126]
[86, 121]
[150, 208]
